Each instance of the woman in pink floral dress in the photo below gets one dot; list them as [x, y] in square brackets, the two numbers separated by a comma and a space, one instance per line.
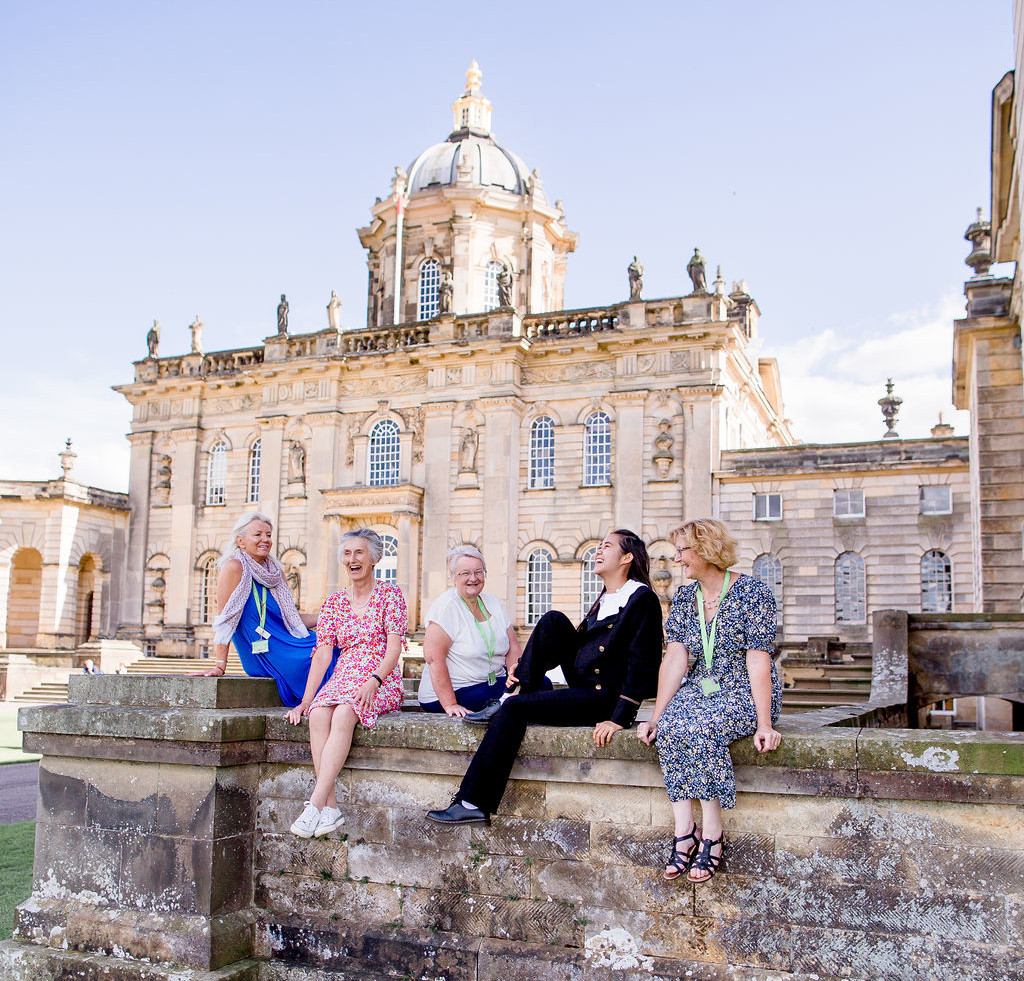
[366, 621]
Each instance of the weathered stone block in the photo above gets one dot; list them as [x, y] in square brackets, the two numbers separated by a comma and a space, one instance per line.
[173, 691]
[598, 804]
[539, 839]
[858, 859]
[62, 793]
[77, 863]
[611, 887]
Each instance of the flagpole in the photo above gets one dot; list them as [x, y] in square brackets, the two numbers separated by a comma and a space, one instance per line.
[399, 236]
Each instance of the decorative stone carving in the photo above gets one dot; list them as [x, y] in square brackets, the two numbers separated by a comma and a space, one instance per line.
[196, 329]
[282, 317]
[635, 271]
[979, 234]
[505, 287]
[467, 452]
[663, 457]
[890, 405]
[153, 339]
[661, 577]
[695, 270]
[162, 484]
[296, 464]
[444, 293]
[334, 312]
[67, 459]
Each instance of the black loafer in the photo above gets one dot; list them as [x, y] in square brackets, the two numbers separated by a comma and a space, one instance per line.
[484, 716]
[458, 813]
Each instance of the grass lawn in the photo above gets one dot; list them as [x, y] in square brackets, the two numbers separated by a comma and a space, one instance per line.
[10, 738]
[17, 844]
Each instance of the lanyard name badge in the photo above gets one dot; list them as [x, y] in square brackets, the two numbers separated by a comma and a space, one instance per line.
[488, 639]
[261, 646]
[708, 685]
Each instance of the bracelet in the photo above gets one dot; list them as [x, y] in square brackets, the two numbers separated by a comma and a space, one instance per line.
[380, 680]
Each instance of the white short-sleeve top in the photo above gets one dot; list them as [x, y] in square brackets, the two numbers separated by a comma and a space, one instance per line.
[467, 657]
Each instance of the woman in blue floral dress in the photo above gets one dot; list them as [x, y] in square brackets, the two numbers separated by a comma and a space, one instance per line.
[717, 684]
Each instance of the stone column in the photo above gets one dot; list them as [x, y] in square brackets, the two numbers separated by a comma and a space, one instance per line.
[409, 562]
[700, 450]
[628, 460]
[322, 469]
[140, 480]
[271, 465]
[500, 484]
[437, 493]
[180, 577]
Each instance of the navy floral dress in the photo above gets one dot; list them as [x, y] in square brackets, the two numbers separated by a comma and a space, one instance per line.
[695, 730]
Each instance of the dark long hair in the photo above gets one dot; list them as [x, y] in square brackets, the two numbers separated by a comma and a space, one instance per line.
[639, 568]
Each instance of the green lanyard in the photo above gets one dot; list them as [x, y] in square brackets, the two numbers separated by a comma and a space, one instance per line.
[708, 685]
[488, 639]
[261, 646]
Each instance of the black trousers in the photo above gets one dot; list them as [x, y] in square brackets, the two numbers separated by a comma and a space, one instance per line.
[554, 643]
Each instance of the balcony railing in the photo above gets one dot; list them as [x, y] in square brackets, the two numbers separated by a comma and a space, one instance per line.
[569, 323]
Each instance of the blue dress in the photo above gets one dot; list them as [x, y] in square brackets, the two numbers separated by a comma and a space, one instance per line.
[287, 661]
[695, 730]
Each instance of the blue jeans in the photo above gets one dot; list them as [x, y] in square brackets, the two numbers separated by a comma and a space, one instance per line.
[475, 697]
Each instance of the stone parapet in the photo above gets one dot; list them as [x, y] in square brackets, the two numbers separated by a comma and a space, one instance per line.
[163, 846]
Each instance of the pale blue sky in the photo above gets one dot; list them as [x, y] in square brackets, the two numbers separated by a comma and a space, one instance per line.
[164, 160]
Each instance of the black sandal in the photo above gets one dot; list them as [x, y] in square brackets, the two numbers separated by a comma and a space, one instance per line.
[705, 861]
[679, 860]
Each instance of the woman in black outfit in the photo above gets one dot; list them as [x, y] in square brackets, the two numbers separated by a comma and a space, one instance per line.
[610, 663]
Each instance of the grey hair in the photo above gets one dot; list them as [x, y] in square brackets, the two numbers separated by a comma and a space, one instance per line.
[373, 541]
[243, 522]
[464, 551]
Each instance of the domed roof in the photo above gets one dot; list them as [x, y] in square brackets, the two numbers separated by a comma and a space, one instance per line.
[482, 162]
[470, 156]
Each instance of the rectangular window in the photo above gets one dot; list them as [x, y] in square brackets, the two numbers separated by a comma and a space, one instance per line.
[848, 504]
[149, 648]
[936, 500]
[767, 507]
[947, 707]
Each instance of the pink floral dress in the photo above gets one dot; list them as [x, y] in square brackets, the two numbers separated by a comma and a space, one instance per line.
[362, 642]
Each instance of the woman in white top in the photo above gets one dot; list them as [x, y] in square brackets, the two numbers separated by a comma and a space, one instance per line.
[469, 643]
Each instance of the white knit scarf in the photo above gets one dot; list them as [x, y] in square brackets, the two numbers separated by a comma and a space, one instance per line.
[270, 575]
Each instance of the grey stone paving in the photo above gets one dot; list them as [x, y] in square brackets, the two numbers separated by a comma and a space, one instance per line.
[18, 792]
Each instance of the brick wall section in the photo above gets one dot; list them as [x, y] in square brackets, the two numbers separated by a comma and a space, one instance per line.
[853, 853]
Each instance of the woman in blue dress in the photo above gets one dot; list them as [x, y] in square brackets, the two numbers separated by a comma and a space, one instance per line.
[717, 684]
[256, 613]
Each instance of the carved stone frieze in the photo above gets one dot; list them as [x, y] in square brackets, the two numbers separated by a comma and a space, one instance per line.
[567, 372]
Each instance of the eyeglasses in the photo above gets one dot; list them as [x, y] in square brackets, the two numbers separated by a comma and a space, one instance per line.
[682, 548]
[471, 574]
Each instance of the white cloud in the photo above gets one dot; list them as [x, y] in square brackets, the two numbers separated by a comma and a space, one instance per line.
[832, 381]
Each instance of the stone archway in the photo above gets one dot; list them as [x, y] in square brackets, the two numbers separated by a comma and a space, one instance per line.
[23, 598]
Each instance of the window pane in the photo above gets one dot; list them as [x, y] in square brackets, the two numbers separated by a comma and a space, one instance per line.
[590, 582]
[850, 590]
[848, 504]
[542, 453]
[208, 590]
[767, 507]
[384, 454]
[430, 279]
[538, 585]
[491, 295]
[597, 450]
[387, 569]
[936, 500]
[216, 473]
[768, 568]
[253, 494]
[936, 583]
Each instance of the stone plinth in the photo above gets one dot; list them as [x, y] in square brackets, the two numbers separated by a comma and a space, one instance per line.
[163, 834]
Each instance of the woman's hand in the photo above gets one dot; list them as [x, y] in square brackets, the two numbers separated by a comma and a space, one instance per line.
[295, 714]
[456, 711]
[646, 731]
[766, 739]
[366, 694]
[215, 672]
[510, 677]
[604, 731]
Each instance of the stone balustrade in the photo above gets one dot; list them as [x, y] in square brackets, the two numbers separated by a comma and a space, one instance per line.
[570, 322]
[163, 852]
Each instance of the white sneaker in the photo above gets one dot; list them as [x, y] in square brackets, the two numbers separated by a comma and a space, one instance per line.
[330, 818]
[307, 821]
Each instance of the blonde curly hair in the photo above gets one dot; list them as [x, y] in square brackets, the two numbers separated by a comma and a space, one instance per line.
[710, 539]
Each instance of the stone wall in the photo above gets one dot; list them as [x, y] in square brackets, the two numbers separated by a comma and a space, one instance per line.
[163, 834]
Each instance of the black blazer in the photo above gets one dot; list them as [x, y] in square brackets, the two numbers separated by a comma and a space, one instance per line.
[622, 654]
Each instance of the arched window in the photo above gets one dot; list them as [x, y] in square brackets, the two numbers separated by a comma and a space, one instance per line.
[492, 299]
[387, 569]
[252, 494]
[542, 453]
[936, 582]
[208, 590]
[216, 472]
[768, 568]
[851, 605]
[384, 454]
[597, 450]
[590, 582]
[430, 280]
[538, 585]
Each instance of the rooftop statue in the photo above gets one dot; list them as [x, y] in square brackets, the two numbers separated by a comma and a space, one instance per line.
[333, 311]
[444, 293]
[196, 327]
[695, 270]
[153, 338]
[504, 287]
[636, 278]
[282, 316]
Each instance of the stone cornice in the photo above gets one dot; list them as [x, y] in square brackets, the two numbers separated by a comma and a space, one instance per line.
[356, 502]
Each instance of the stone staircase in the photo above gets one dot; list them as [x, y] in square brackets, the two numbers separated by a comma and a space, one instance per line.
[811, 681]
